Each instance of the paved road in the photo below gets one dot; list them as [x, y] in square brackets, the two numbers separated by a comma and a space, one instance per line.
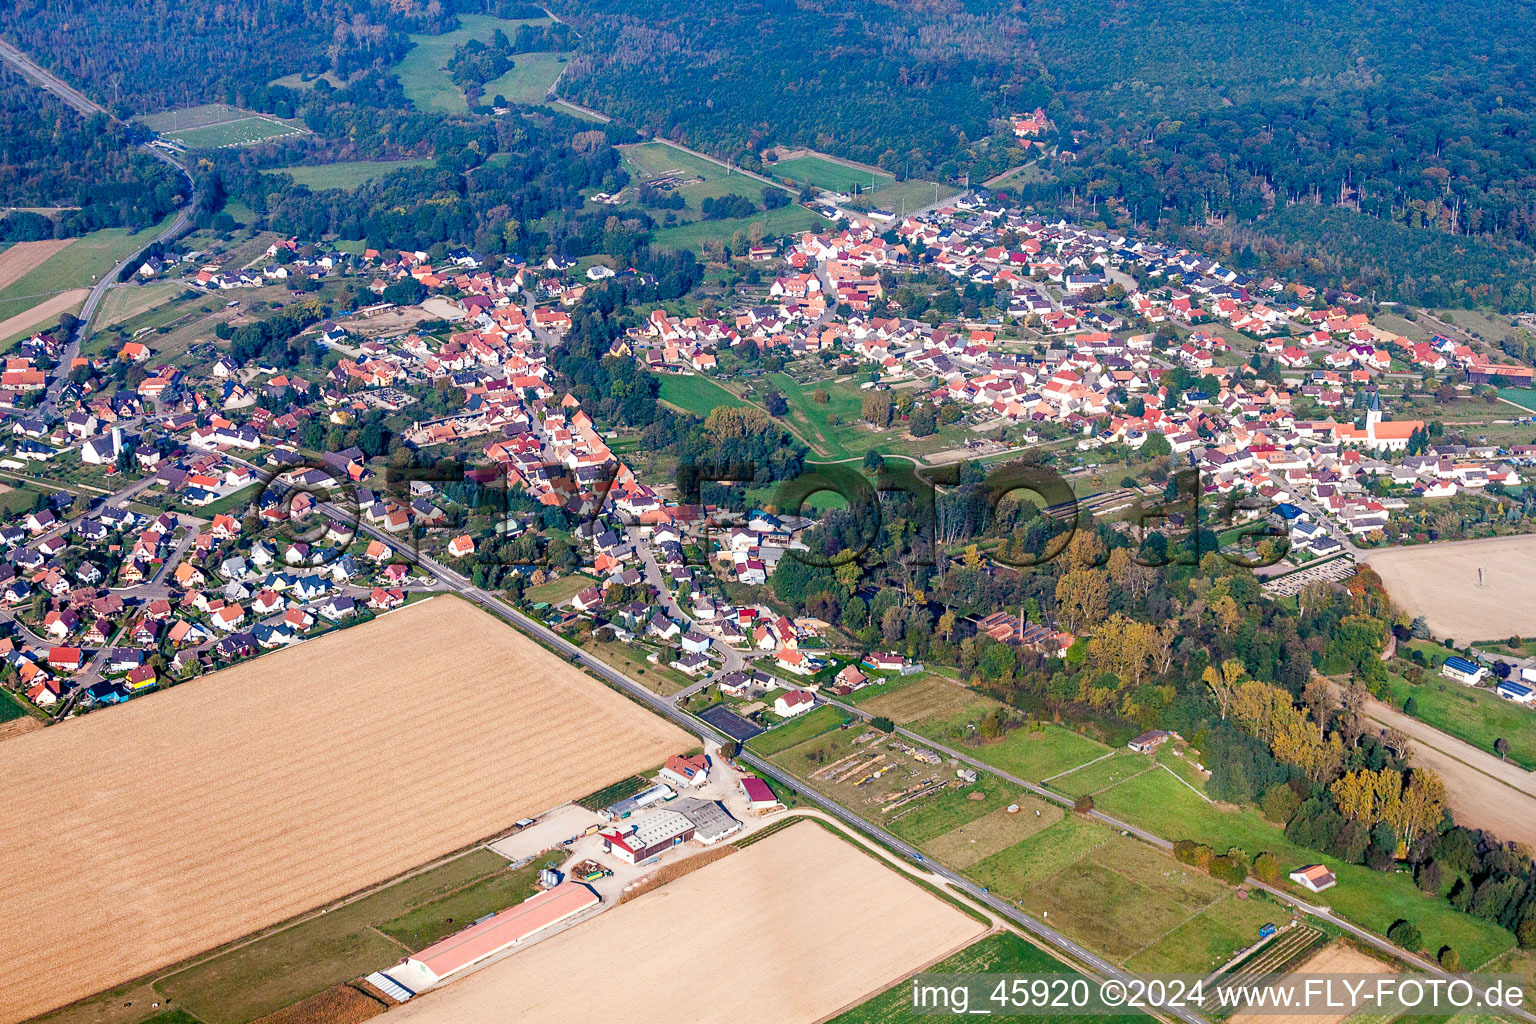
[664, 706]
[1321, 912]
[49, 82]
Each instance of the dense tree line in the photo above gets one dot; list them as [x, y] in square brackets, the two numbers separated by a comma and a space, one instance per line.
[50, 156]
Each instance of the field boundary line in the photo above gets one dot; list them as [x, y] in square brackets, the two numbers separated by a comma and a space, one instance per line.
[1181, 779]
[1141, 949]
[1079, 767]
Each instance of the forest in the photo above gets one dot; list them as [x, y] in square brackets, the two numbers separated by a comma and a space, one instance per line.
[50, 156]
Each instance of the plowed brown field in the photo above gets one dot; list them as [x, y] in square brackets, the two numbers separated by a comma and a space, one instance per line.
[140, 835]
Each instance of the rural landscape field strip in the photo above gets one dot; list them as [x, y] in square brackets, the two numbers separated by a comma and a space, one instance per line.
[794, 927]
[243, 798]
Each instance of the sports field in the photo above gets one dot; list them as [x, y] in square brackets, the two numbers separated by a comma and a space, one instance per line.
[348, 175]
[1440, 582]
[217, 125]
[826, 173]
[281, 784]
[782, 943]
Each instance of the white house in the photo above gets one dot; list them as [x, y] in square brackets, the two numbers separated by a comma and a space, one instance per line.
[793, 702]
[1463, 671]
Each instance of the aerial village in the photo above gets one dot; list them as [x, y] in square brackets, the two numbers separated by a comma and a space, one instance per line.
[170, 517]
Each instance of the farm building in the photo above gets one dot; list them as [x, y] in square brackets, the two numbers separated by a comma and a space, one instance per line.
[653, 834]
[1148, 742]
[1517, 692]
[638, 802]
[493, 935]
[759, 796]
[686, 771]
[1315, 877]
[711, 821]
[1463, 671]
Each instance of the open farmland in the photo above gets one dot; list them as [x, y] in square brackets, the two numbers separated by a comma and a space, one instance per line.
[789, 944]
[998, 953]
[1338, 958]
[21, 257]
[1439, 582]
[273, 787]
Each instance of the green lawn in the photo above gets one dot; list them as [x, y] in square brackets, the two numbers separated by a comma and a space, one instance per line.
[1161, 804]
[1525, 397]
[10, 707]
[348, 175]
[797, 730]
[529, 80]
[1210, 939]
[1030, 754]
[422, 72]
[696, 394]
[1478, 716]
[786, 220]
[562, 589]
[1001, 953]
[823, 172]
[280, 969]
[1102, 774]
[77, 265]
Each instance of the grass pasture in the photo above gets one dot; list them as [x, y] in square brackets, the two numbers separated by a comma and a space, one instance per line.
[994, 832]
[1162, 804]
[696, 394]
[348, 175]
[1210, 938]
[798, 730]
[126, 303]
[307, 761]
[786, 220]
[423, 71]
[1103, 774]
[77, 265]
[558, 590]
[529, 80]
[647, 160]
[1478, 716]
[1029, 753]
[924, 697]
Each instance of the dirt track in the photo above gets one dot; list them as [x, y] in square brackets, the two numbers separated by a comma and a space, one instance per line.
[23, 257]
[1483, 791]
[146, 833]
[791, 929]
[1439, 582]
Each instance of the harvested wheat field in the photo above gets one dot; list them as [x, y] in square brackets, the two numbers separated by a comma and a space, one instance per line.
[1439, 582]
[45, 312]
[195, 816]
[23, 257]
[1337, 958]
[795, 927]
